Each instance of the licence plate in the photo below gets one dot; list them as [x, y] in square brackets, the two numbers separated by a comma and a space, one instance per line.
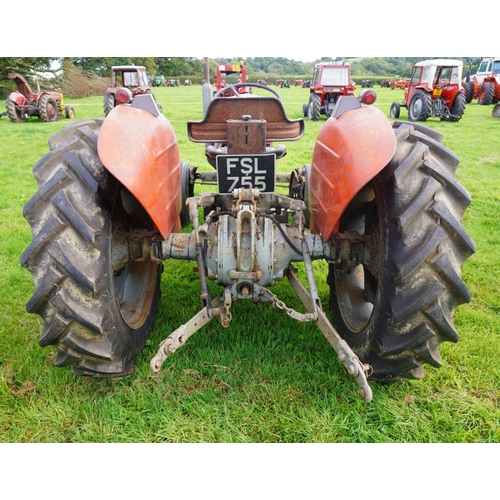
[246, 172]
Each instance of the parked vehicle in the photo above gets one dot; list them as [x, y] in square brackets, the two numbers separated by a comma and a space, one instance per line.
[126, 83]
[379, 204]
[435, 90]
[485, 84]
[24, 102]
[329, 82]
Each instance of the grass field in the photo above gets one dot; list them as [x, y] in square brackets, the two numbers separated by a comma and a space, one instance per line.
[266, 379]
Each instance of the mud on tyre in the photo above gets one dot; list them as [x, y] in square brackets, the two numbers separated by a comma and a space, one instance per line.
[98, 308]
[397, 307]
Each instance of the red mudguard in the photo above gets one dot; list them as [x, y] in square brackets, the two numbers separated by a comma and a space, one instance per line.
[141, 151]
[349, 152]
[18, 98]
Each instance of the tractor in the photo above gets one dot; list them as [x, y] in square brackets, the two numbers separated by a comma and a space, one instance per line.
[329, 82]
[24, 102]
[225, 70]
[126, 83]
[485, 84]
[434, 90]
[378, 206]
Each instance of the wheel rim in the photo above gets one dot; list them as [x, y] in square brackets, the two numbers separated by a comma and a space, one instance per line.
[52, 111]
[357, 286]
[132, 279]
[416, 108]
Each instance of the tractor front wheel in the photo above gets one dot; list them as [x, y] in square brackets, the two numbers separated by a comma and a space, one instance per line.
[48, 109]
[314, 108]
[98, 303]
[420, 106]
[69, 112]
[395, 110]
[395, 307]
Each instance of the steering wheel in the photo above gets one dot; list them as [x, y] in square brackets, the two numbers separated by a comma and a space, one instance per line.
[235, 86]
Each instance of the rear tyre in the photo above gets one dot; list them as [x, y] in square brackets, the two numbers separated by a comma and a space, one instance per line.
[458, 108]
[396, 308]
[486, 93]
[109, 103]
[47, 107]
[469, 91]
[395, 110]
[98, 307]
[14, 112]
[420, 106]
[314, 108]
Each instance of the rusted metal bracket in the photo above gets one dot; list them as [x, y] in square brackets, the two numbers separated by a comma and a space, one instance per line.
[345, 354]
[218, 307]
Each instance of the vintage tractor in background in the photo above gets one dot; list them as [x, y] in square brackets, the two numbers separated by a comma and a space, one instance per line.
[435, 90]
[126, 83]
[329, 82]
[223, 71]
[484, 85]
[378, 203]
[24, 102]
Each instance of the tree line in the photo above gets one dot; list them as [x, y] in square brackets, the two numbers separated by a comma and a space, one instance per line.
[193, 67]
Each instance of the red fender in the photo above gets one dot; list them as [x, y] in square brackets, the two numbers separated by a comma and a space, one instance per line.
[350, 151]
[18, 98]
[141, 151]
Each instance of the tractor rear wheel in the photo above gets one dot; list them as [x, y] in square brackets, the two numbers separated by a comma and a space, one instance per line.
[314, 108]
[14, 113]
[458, 108]
[98, 305]
[486, 93]
[469, 91]
[396, 307]
[108, 103]
[420, 106]
[47, 107]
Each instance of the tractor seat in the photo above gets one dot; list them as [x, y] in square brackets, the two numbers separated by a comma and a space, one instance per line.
[214, 127]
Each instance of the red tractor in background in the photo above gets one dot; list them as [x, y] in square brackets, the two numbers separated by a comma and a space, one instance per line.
[23, 103]
[329, 82]
[484, 85]
[126, 83]
[224, 70]
[434, 90]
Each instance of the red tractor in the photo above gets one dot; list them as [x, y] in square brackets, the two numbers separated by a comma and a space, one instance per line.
[329, 82]
[23, 103]
[489, 93]
[108, 213]
[126, 83]
[224, 70]
[485, 84]
[435, 90]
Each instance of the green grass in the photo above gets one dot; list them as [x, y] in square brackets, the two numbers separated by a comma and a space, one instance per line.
[266, 378]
